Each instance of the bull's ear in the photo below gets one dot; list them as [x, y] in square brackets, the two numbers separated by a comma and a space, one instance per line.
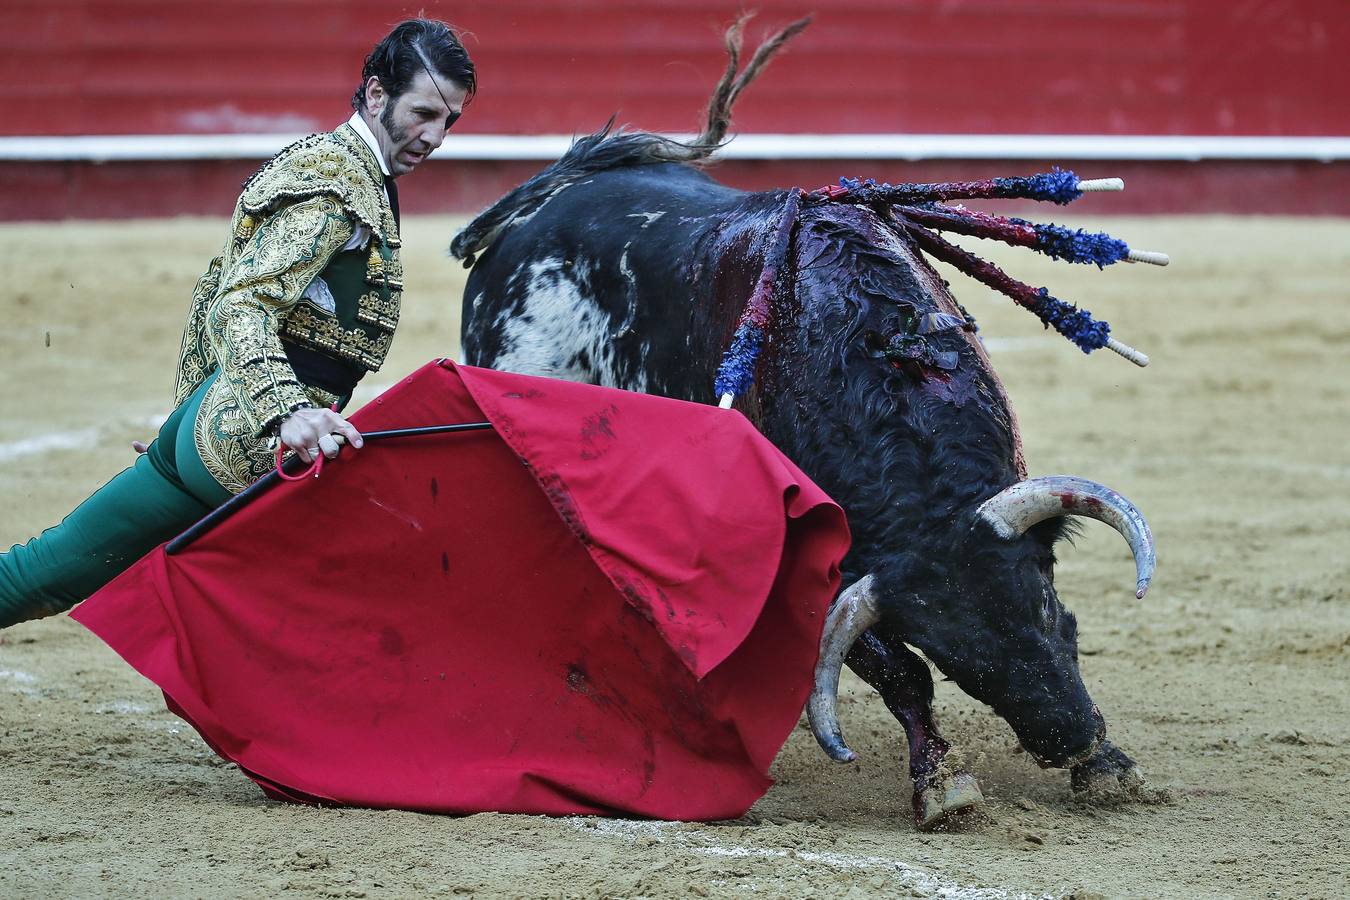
[1017, 508]
[1052, 531]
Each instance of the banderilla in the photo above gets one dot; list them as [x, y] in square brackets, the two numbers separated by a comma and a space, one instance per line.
[291, 466]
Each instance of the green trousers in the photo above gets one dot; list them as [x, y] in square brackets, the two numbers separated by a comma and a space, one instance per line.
[166, 490]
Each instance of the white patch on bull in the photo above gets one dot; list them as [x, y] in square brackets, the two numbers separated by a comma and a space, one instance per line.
[627, 272]
[556, 328]
[649, 216]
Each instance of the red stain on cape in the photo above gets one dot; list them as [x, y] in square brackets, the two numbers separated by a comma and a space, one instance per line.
[506, 641]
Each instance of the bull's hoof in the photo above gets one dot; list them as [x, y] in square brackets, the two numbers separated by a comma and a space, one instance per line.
[1106, 786]
[943, 800]
[1112, 777]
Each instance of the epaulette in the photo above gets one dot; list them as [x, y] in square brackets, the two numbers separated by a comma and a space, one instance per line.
[336, 163]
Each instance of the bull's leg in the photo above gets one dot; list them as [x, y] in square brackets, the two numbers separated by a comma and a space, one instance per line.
[1107, 774]
[902, 678]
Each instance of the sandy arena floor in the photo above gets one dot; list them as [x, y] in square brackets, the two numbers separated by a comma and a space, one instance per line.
[1228, 683]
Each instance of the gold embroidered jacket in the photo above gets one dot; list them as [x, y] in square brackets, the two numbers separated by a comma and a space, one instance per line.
[289, 228]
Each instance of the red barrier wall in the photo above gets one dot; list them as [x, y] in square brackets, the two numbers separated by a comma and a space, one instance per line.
[961, 66]
[1205, 67]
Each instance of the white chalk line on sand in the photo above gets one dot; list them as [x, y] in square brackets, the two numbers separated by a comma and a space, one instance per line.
[74, 440]
[56, 440]
[669, 832]
[19, 682]
[144, 716]
[123, 708]
[82, 438]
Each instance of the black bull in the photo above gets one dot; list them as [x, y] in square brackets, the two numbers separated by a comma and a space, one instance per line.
[615, 269]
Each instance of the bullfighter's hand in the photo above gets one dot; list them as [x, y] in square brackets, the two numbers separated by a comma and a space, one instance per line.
[310, 432]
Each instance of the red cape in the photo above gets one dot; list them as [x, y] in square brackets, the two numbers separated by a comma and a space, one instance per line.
[610, 604]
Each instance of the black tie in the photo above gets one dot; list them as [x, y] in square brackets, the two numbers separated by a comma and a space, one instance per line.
[393, 198]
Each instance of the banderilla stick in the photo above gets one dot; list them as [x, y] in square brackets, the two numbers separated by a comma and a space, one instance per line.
[291, 466]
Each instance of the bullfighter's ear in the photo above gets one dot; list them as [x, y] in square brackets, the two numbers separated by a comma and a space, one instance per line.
[376, 97]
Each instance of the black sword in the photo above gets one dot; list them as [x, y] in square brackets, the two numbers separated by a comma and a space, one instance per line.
[291, 466]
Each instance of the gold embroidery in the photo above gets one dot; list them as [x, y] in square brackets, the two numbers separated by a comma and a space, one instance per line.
[336, 170]
[393, 273]
[379, 309]
[243, 230]
[262, 284]
[374, 265]
[233, 453]
[308, 327]
[338, 163]
[193, 365]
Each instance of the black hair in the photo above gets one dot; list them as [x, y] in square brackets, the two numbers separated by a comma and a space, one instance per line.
[414, 46]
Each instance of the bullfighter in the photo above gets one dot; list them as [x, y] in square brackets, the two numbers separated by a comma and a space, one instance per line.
[302, 301]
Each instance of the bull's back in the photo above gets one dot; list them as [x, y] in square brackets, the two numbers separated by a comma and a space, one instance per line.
[592, 283]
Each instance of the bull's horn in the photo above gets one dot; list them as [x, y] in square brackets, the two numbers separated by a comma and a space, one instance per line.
[853, 613]
[1015, 509]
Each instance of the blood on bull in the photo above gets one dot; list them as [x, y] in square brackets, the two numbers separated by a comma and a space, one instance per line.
[624, 264]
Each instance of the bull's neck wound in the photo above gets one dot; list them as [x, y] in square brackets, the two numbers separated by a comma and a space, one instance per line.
[916, 211]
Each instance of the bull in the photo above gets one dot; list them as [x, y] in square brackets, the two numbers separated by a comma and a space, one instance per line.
[624, 264]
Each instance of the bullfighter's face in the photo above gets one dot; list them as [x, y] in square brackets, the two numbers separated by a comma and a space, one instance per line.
[408, 127]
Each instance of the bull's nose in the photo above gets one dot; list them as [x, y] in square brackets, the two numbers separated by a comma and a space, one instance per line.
[1098, 739]
[1056, 750]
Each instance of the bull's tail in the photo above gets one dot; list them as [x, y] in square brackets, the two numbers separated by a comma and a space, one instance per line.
[611, 149]
[730, 87]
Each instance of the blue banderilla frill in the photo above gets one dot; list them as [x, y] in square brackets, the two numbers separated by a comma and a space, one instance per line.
[919, 211]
